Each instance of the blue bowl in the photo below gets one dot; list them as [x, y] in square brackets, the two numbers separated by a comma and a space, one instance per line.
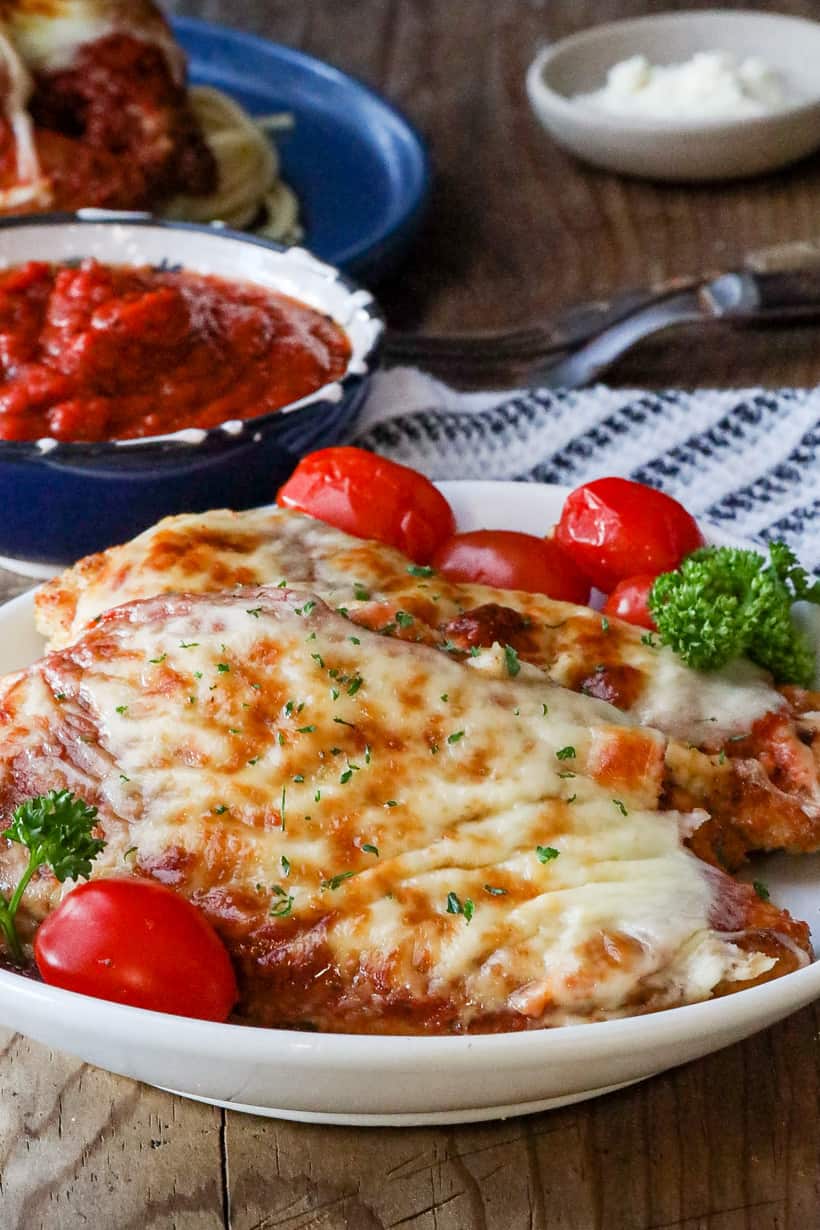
[59, 501]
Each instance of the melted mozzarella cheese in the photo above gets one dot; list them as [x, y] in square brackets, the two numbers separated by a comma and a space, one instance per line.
[200, 553]
[49, 34]
[451, 836]
[31, 188]
[693, 705]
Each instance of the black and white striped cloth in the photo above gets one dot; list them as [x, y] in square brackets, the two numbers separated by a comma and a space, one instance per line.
[746, 459]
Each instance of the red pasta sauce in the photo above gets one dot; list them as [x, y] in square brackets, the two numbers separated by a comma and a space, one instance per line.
[101, 352]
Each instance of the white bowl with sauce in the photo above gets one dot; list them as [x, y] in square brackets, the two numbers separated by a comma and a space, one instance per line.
[684, 149]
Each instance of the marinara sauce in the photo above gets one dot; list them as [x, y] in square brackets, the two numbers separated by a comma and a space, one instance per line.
[100, 352]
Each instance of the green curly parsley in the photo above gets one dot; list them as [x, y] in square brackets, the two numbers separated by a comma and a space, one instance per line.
[724, 601]
[56, 829]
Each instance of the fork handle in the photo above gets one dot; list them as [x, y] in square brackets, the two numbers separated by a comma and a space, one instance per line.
[765, 296]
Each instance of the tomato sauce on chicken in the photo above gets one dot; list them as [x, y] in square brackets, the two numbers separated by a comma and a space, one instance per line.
[100, 352]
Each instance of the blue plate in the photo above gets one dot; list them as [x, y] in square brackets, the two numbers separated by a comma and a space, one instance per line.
[360, 170]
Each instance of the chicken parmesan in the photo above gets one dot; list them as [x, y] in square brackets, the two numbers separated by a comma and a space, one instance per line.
[739, 747]
[387, 837]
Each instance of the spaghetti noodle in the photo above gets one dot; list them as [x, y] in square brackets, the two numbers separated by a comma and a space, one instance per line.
[249, 192]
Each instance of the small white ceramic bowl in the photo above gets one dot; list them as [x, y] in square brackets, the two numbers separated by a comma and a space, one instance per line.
[685, 150]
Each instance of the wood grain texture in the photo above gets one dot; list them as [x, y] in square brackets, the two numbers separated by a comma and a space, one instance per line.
[517, 231]
[81, 1148]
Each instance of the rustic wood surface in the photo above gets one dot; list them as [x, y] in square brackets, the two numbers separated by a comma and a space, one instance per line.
[517, 231]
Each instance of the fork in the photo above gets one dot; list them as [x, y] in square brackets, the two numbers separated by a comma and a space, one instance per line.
[452, 353]
[779, 283]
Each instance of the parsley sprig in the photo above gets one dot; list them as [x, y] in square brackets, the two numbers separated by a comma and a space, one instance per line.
[725, 601]
[56, 830]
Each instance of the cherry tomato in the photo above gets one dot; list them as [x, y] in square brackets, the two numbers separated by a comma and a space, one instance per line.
[137, 942]
[629, 600]
[510, 560]
[615, 529]
[371, 497]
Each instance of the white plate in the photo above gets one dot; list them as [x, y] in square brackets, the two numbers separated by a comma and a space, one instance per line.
[344, 1079]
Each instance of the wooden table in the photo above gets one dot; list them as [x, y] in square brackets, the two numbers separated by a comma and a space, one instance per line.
[517, 231]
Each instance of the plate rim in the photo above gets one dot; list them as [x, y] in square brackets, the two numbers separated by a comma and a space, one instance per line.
[389, 1052]
[361, 255]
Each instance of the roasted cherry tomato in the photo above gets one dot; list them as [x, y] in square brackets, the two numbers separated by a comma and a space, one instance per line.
[615, 529]
[371, 497]
[510, 560]
[137, 942]
[629, 600]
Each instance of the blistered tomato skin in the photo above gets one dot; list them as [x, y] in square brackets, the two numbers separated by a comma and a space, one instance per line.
[136, 942]
[507, 559]
[629, 600]
[371, 497]
[615, 529]
[100, 352]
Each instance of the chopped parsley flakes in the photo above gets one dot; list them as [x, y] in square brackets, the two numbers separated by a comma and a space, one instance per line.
[511, 659]
[335, 881]
[455, 906]
[282, 904]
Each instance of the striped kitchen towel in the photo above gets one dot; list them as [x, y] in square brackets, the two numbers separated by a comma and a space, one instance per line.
[746, 459]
